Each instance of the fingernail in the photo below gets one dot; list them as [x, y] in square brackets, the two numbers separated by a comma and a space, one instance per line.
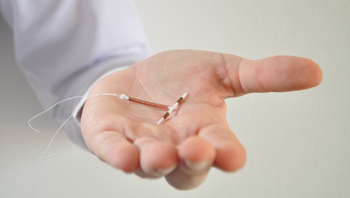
[197, 166]
[166, 171]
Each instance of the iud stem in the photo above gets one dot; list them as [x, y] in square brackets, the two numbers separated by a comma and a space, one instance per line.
[152, 104]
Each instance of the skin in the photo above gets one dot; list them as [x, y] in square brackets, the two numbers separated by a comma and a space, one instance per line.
[184, 148]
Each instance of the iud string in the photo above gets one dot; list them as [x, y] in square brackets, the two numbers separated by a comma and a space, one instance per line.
[123, 97]
[48, 109]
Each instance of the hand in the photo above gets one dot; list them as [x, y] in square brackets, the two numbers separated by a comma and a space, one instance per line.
[125, 134]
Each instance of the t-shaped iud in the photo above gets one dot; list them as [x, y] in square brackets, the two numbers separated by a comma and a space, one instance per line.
[170, 109]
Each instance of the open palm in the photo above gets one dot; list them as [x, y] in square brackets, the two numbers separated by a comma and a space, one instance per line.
[194, 137]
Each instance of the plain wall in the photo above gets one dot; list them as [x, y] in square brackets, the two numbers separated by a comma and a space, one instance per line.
[298, 143]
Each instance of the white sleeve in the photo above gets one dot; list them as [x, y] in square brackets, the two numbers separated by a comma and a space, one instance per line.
[63, 46]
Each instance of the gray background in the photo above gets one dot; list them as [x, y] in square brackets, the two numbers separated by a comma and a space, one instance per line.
[297, 143]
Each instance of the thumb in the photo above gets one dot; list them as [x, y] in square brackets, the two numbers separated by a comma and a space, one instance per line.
[273, 74]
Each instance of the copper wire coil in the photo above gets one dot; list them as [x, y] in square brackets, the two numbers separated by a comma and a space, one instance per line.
[161, 106]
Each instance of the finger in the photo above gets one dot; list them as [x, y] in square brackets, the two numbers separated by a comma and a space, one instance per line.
[196, 157]
[114, 149]
[273, 74]
[230, 154]
[156, 158]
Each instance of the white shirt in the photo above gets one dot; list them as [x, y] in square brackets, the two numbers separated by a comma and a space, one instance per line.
[63, 47]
